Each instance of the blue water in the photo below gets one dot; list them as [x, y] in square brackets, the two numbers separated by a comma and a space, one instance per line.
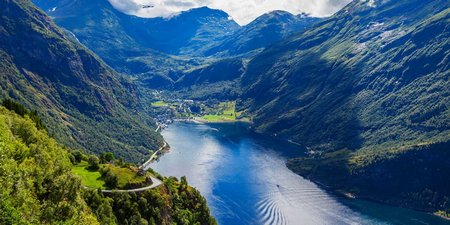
[245, 181]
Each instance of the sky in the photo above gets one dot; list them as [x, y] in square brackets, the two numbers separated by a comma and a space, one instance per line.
[242, 11]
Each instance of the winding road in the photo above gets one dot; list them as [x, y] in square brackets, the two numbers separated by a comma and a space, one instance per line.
[155, 183]
[146, 165]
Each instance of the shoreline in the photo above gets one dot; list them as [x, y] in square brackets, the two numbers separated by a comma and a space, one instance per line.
[351, 196]
[202, 121]
[441, 216]
[199, 120]
[162, 149]
[341, 193]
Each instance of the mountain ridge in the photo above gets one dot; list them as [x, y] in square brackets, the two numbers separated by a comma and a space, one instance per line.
[153, 48]
[262, 32]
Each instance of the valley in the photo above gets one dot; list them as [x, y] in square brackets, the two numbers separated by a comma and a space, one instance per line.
[337, 119]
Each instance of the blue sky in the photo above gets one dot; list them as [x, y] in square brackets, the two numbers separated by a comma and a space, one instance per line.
[242, 11]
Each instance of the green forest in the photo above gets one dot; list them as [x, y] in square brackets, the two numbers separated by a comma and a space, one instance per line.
[37, 185]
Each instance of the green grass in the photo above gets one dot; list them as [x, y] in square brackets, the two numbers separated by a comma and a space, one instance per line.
[218, 118]
[93, 179]
[159, 104]
[229, 108]
[89, 178]
[225, 111]
[126, 176]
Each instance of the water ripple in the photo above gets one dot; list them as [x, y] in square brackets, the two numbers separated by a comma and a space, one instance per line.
[270, 213]
[246, 182]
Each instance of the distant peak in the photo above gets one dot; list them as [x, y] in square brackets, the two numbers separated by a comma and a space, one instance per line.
[274, 15]
[279, 13]
[282, 13]
[206, 11]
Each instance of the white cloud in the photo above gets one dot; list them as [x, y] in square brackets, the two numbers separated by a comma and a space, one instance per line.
[242, 11]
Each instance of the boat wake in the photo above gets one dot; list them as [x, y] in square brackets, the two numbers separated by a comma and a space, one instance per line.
[304, 205]
[270, 213]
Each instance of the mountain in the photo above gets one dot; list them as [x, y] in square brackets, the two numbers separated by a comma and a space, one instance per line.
[365, 88]
[154, 49]
[362, 70]
[216, 80]
[137, 45]
[95, 24]
[262, 32]
[190, 31]
[223, 70]
[85, 103]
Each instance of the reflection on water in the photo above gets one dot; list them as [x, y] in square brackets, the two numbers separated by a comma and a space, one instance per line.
[245, 180]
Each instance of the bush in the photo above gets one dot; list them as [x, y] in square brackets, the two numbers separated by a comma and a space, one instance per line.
[72, 159]
[93, 162]
[107, 157]
[111, 179]
[78, 156]
[104, 170]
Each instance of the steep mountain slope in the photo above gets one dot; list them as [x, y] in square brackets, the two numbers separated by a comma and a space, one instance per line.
[370, 75]
[38, 187]
[95, 24]
[374, 78]
[223, 70]
[262, 32]
[86, 104]
[217, 80]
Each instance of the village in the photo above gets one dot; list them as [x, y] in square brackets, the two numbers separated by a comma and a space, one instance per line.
[167, 110]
